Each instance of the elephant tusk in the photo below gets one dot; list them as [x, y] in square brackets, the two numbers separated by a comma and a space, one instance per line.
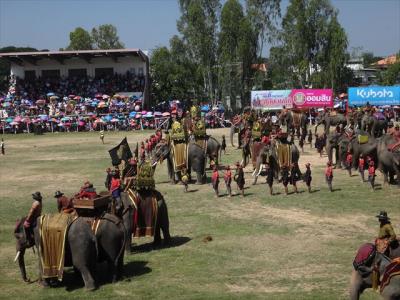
[16, 256]
[261, 167]
[155, 163]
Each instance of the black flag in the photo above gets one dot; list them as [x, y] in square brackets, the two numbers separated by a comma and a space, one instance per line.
[120, 152]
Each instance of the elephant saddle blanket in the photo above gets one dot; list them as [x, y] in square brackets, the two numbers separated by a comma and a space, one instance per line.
[179, 156]
[202, 143]
[53, 231]
[145, 214]
[393, 269]
[364, 254]
[257, 146]
[284, 155]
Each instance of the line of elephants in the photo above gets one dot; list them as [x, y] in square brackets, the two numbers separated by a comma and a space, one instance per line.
[388, 161]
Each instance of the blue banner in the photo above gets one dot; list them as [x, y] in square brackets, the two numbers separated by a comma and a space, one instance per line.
[375, 95]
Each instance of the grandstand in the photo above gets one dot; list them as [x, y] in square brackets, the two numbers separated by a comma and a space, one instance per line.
[29, 66]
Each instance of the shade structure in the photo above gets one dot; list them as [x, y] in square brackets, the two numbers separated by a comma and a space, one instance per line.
[41, 102]
[81, 123]
[138, 116]
[113, 120]
[166, 114]
[65, 119]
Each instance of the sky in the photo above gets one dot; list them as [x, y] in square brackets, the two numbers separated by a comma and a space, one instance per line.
[373, 25]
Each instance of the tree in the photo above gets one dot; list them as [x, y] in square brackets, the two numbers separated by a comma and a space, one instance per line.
[369, 58]
[198, 26]
[106, 37]
[392, 75]
[79, 39]
[263, 16]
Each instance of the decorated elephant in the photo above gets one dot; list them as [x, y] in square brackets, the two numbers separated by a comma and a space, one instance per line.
[296, 122]
[375, 125]
[388, 150]
[330, 119]
[213, 149]
[368, 148]
[196, 161]
[375, 268]
[80, 250]
[269, 154]
[145, 212]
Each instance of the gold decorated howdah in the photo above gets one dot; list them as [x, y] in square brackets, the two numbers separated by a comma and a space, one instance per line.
[178, 132]
[200, 129]
[145, 177]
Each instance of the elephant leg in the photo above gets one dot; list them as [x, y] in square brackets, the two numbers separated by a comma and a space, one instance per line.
[87, 277]
[164, 224]
[199, 179]
[128, 244]
[157, 235]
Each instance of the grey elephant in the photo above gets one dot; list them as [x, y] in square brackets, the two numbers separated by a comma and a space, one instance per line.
[388, 151]
[162, 219]
[81, 250]
[268, 154]
[329, 120]
[196, 161]
[366, 149]
[296, 122]
[362, 275]
[213, 149]
[340, 143]
[373, 125]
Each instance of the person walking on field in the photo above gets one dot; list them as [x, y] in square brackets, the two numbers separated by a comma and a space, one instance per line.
[349, 162]
[329, 175]
[185, 179]
[285, 177]
[239, 178]
[301, 145]
[215, 180]
[361, 167]
[294, 176]
[270, 177]
[309, 139]
[102, 136]
[223, 144]
[371, 174]
[228, 180]
[3, 147]
[308, 177]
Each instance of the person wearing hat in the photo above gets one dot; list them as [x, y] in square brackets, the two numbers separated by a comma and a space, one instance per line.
[87, 191]
[34, 212]
[386, 234]
[239, 178]
[228, 180]
[270, 177]
[215, 180]
[329, 175]
[64, 204]
[185, 179]
[371, 174]
[307, 177]
[102, 136]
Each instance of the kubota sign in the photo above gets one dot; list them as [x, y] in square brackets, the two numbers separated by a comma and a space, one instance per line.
[377, 95]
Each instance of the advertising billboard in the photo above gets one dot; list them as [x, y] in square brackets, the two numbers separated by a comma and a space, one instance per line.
[271, 99]
[312, 98]
[375, 95]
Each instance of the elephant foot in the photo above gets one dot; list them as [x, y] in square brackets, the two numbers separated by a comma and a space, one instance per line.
[44, 283]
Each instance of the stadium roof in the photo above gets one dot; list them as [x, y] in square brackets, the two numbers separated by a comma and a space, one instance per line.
[60, 56]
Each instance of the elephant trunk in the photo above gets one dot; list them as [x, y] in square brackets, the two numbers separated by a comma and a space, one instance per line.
[21, 262]
[231, 134]
[355, 285]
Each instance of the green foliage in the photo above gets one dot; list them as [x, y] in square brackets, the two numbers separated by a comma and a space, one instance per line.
[106, 37]
[80, 39]
[392, 75]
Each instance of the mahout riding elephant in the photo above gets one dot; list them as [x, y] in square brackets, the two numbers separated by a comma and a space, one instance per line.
[296, 122]
[196, 161]
[331, 120]
[389, 158]
[80, 250]
[213, 149]
[362, 278]
[373, 125]
[162, 219]
[268, 153]
[338, 142]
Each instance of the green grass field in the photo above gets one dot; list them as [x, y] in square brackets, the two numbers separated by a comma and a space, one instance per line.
[280, 247]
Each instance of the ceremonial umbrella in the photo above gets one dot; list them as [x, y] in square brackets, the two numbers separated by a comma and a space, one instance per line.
[105, 96]
[65, 119]
[107, 118]
[132, 114]
[138, 116]
[17, 119]
[44, 117]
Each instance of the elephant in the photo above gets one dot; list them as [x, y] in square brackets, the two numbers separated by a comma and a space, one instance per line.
[196, 160]
[338, 142]
[213, 149]
[366, 149]
[268, 154]
[295, 122]
[81, 250]
[331, 120]
[389, 159]
[361, 278]
[162, 219]
[111, 236]
[373, 125]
